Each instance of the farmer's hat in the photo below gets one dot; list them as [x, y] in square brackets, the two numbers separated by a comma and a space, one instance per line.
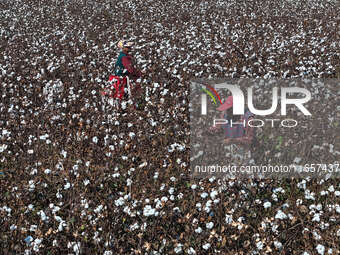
[124, 44]
[227, 104]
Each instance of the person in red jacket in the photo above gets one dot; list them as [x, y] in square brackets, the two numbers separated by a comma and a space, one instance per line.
[125, 66]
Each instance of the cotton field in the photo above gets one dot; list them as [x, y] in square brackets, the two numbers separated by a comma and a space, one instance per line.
[80, 176]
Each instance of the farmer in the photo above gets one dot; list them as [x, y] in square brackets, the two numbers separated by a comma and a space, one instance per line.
[125, 65]
[238, 134]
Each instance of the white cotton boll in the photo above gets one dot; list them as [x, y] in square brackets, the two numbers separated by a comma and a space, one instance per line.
[213, 194]
[120, 201]
[331, 188]
[36, 244]
[58, 195]
[204, 195]
[7, 209]
[277, 245]
[316, 217]
[134, 226]
[98, 209]
[194, 186]
[86, 182]
[267, 205]
[171, 190]
[206, 246]
[31, 185]
[299, 202]
[164, 92]
[55, 209]
[64, 153]
[3, 147]
[302, 184]
[58, 218]
[95, 139]
[321, 249]
[47, 171]
[67, 186]
[198, 230]
[316, 236]
[43, 137]
[33, 228]
[259, 245]
[153, 123]
[178, 248]
[191, 251]
[337, 209]
[76, 248]
[207, 209]
[228, 218]
[277, 190]
[143, 164]
[309, 195]
[280, 215]
[209, 225]
[61, 226]
[34, 171]
[319, 207]
[5, 132]
[29, 151]
[148, 211]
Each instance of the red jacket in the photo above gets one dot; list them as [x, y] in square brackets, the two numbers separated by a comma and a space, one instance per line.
[126, 61]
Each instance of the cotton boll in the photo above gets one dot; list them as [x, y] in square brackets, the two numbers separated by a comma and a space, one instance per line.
[67, 185]
[209, 225]
[206, 246]
[280, 215]
[320, 249]
[267, 205]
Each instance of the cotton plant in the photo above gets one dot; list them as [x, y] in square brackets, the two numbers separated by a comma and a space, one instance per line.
[192, 51]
